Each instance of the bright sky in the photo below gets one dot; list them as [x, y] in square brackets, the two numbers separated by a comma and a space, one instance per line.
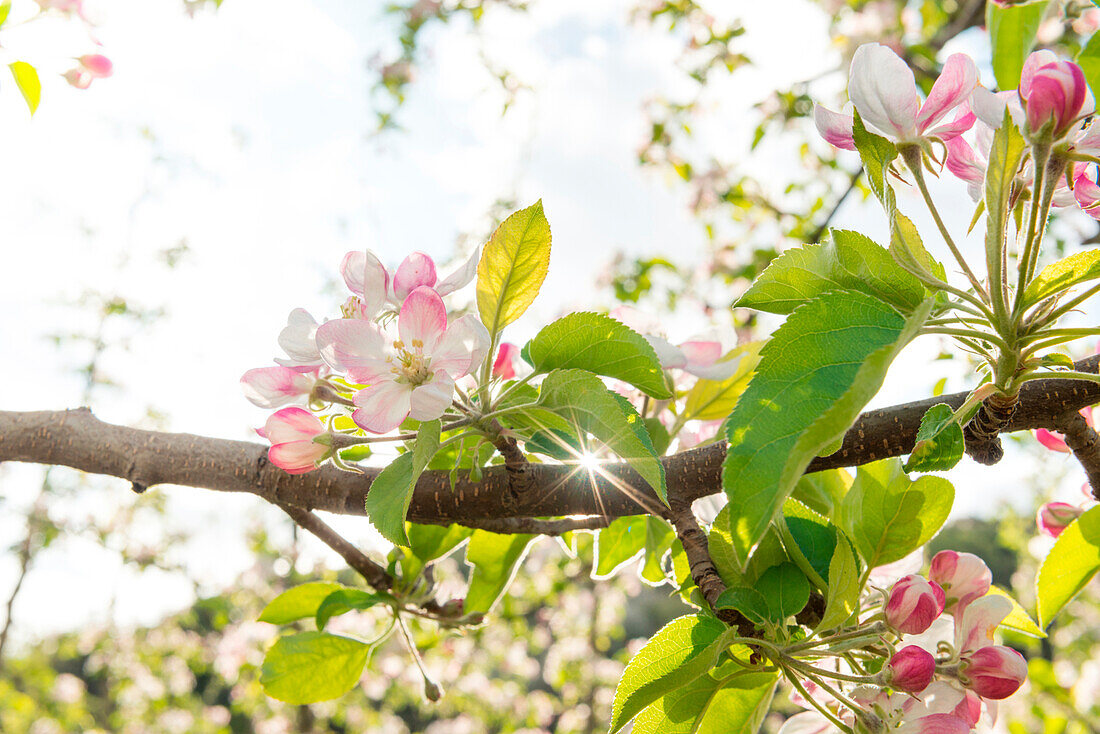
[245, 133]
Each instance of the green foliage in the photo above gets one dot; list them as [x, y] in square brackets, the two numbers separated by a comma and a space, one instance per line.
[583, 400]
[815, 375]
[939, 445]
[301, 602]
[5, 8]
[343, 601]
[680, 652]
[495, 559]
[658, 539]
[1012, 33]
[709, 400]
[749, 602]
[512, 267]
[622, 540]
[887, 515]
[313, 666]
[1060, 276]
[1071, 563]
[1089, 61]
[26, 78]
[842, 597]
[736, 704]
[391, 491]
[1005, 154]
[786, 590]
[599, 344]
[810, 540]
[849, 262]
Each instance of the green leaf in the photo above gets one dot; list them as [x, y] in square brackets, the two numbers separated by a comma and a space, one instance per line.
[298, 603]
[391, 491]
[748, 601]
[429, 542]
[680, 652]
[733, 705]
[812, 539]
[786, 589]
[877, 154]
[1012, 34]
[1071, 563]
[622, 540]
[842, 599]
[720, 545]
[1063, 275]
[709, 400]
[342, 601]
[600, 344]
[822, 491]
[888, 516]
[313, 666]
[815, 374]
[495, 559]
[658, 539]
[512, 267]
[5, 8]
[26, 78]
[1018, 620]
[1089, 61]
[1005, 153]
[583, 400]
[849, 262]
[939, 445]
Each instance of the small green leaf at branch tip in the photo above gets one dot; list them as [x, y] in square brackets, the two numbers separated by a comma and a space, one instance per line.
[26, 78]
[599, 344]
[940, 444]
[1060, 276]
[842, 599]
[815, 375]
[313, 666]
[513, 266]
[299, 602]
[390, 494]
[1072, 562]
[1012, 31]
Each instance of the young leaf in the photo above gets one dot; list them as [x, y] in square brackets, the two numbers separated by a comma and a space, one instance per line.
[1018, 620]
[748, 601]
[1063, 275]
[583, 400]
[785, 588]
[429, 542]
[1071, 563]
[5, 8]
[343, 601]
[709, 400]
[877, 153]
[495, 559]
[680, 652]
[313, 666]
[843, 596]
[720, 545]
[815, 374]
[600, 344]
[1089, 61]
[810, 539]
[299, 602]
[822, 491]
[617, 544]
[1005, 153]
[735, 704]
[1012, 34]
[850, 261]
[888, 516]
[939, 445]
[512, 267]
[26, 78]
[658, 539]
[391, 491]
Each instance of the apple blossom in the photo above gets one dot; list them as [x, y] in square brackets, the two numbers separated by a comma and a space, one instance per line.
[299, 340]
[913, 604]
[993, 671]
[935, 724]
[89, 68]
[412, 375]
[504, 366]
[980, 618]
[699, 357]
[1054, 517]
[291, 432]
[272, 387]
[963, 577]
[373, 285]
[1053, 92]
[884, 92]
[910, 669]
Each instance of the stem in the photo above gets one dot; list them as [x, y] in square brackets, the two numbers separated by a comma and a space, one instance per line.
[1068, 306]
[811, 670]
[511, 389]
[912, 157]
[967, 333]
[810, 699]
[1086, 376]
[1044, 192]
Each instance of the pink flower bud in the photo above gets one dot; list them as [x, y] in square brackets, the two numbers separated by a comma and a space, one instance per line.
[291, 432]
[273, 387]
[963, 576]
[913, 605]
[89, 68]
[935, 724]
[993, 671]
[1053, 92]
[910, 669]
[969, 708]
[505, 364]
[1050, 439]
[1054, 517]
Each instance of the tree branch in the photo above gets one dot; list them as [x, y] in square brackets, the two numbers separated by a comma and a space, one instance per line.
[374, 574]
[75, 438]
[1085, 444]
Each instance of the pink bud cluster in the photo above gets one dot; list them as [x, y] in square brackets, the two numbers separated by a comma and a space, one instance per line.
[393, 368]
[1054, 517]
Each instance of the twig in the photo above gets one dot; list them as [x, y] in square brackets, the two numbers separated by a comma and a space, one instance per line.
[1085, 444]
[374, 574]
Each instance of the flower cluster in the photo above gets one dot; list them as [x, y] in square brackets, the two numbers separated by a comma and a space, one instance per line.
[396, 352]
[942, 672]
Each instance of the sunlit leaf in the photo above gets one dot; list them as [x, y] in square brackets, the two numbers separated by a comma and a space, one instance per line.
[1071, 563]
[512, 267]
[298, 602]
[313, 666]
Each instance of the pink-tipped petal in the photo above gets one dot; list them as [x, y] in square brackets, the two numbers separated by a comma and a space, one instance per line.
[461, 277]
[949, 130]
[953, 87]
[356, 347]
[701, 353]
[964, 162]
[98, 65]
[366, 277]
[423, 319]
[1034, 61]
[272, 387]
[964, 577]
[807, 722]
[934, 724]
[382, 407]
[1054, 517]
[504, 366]
[429, 400]
[415, 271]
[994, 671]
[834, 127]
[979, 620]
[292, 424]
[668, 355]
[462, 348]
[882, 88]
[1051, 440]
[296, 457]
